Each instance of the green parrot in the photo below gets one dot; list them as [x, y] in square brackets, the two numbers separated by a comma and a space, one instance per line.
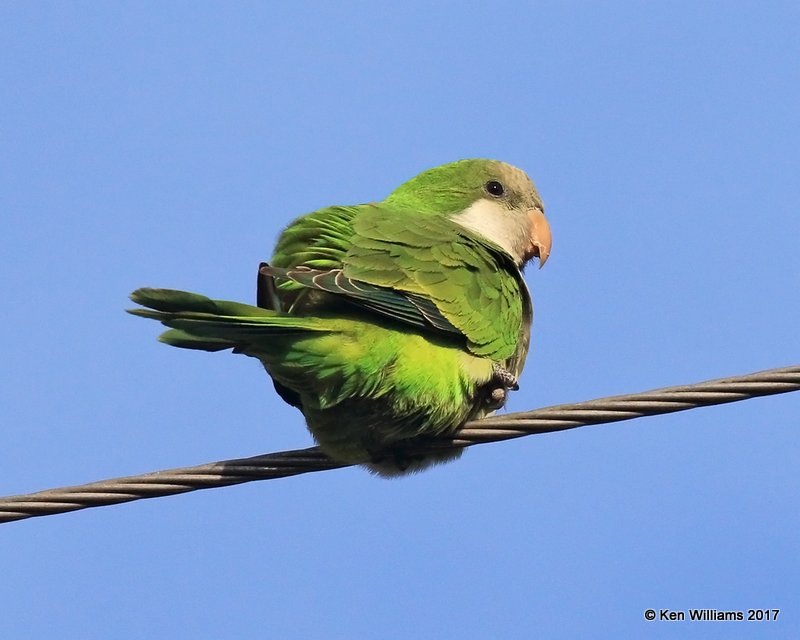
[389, 322]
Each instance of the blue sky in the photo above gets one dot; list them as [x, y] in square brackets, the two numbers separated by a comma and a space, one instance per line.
[167, 144]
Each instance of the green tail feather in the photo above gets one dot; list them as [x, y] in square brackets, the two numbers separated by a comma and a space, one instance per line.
[178, 338]
[174, 301]
[198, 322]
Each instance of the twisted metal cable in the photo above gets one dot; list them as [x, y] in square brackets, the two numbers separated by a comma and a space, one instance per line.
[504, 427]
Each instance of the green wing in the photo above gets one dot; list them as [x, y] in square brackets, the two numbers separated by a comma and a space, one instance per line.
[420, 269]
[409, 308]
[319, 240]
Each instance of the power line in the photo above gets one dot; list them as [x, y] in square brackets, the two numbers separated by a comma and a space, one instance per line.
[504, 427]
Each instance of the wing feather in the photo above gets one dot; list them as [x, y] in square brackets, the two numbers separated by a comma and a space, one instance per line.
[424, 270]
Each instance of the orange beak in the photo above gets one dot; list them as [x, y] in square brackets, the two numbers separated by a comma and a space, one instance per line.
[541, 240]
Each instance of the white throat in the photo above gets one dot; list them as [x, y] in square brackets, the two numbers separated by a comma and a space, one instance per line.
[496, 223]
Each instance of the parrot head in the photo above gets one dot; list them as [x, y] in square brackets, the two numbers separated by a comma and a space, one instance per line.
[488, 197]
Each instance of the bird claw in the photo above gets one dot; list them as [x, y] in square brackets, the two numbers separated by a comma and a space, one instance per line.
[502, 376]
[501, 382]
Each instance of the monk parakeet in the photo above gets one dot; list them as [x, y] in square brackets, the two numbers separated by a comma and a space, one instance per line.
[391, 321]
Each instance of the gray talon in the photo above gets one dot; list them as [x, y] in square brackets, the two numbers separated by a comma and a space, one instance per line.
[497, 397]
[504, 377]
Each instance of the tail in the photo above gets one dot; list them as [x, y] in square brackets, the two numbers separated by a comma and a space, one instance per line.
[197, 322]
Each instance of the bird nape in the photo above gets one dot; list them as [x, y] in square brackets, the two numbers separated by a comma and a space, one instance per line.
[387, 323]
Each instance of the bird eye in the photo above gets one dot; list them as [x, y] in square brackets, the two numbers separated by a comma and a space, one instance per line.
[495, 188]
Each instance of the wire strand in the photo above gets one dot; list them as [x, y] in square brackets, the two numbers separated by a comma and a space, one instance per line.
[493, 429]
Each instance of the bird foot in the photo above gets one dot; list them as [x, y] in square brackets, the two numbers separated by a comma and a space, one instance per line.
[496, 390]
[502, 376]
